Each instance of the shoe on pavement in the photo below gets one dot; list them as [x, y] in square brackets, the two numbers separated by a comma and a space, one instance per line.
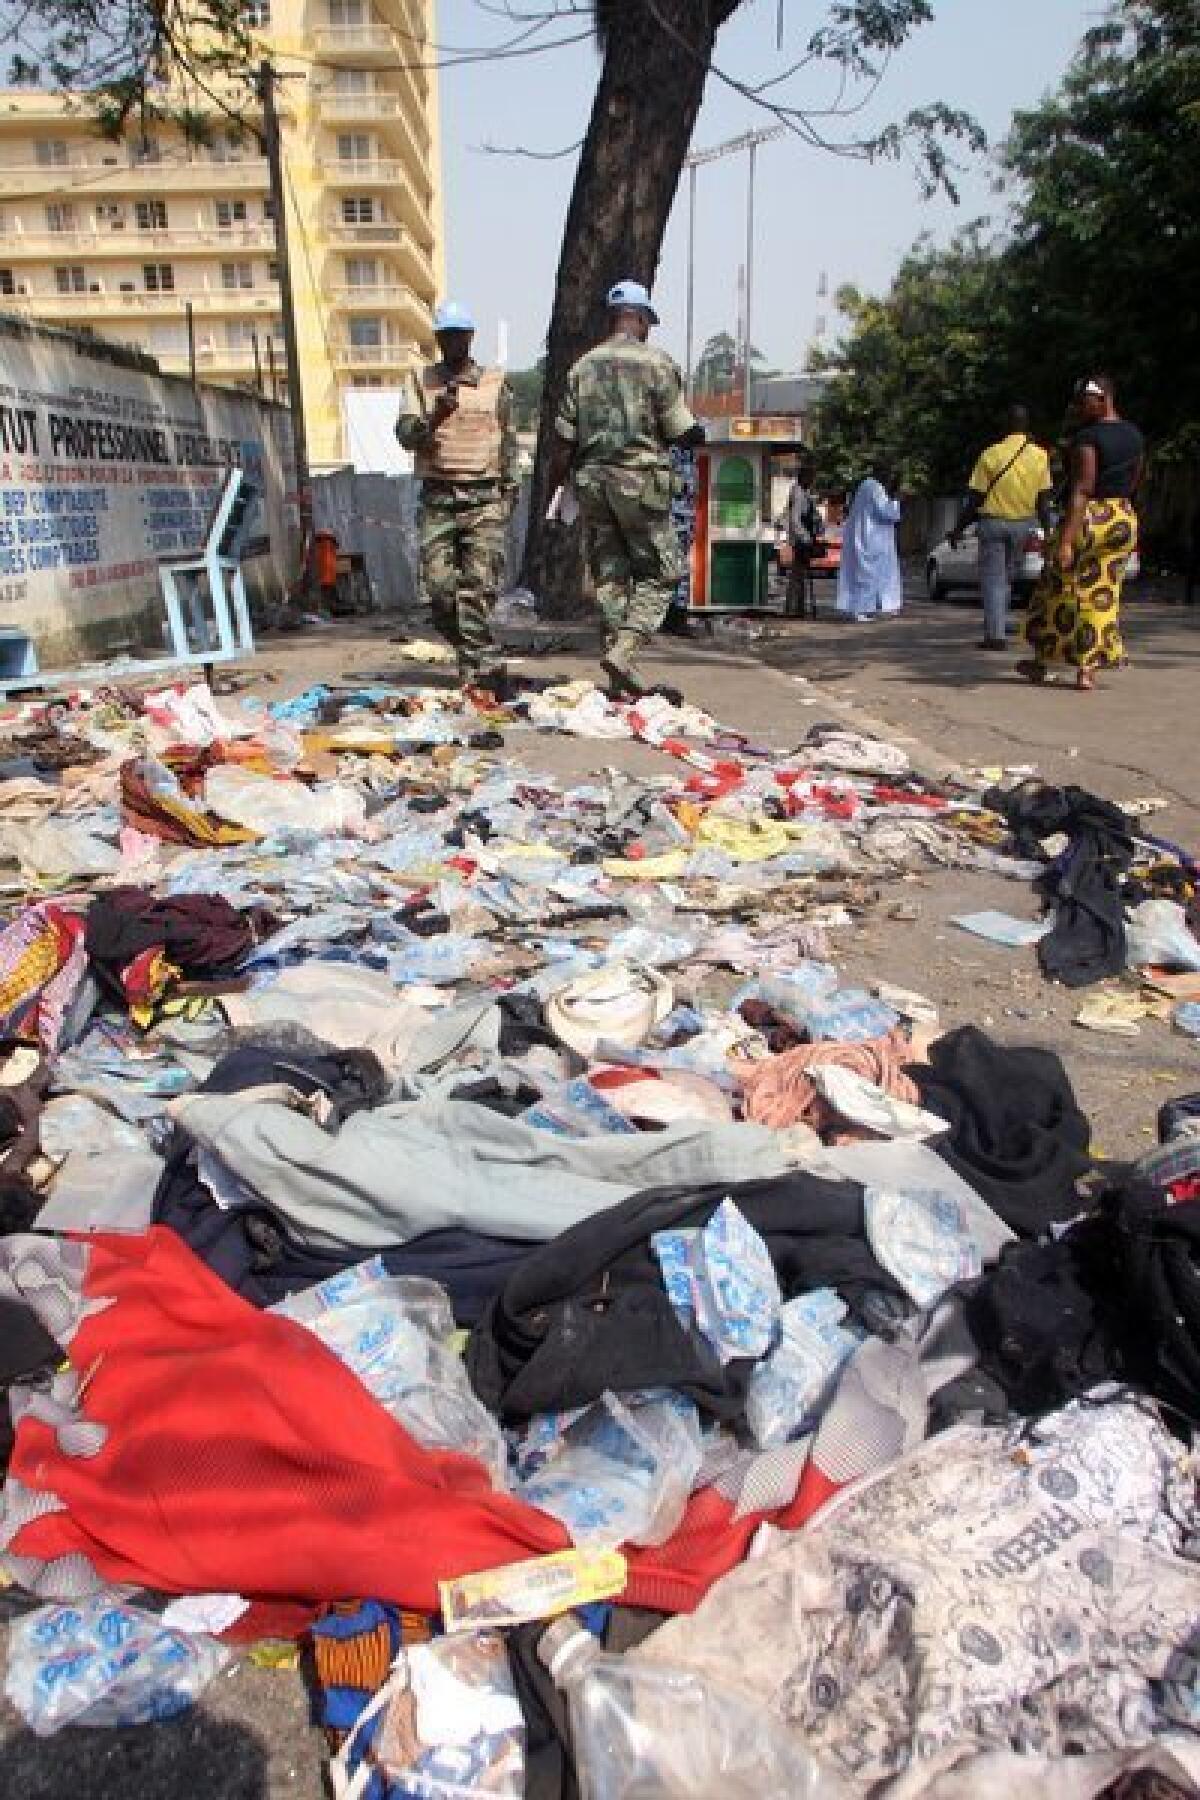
[994, 644]
[621, 684]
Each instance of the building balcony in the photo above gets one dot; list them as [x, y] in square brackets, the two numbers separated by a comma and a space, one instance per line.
[397, 305]
[396, 116]
[397, 356]
[379, 296]
[88, 307]
[373, 45]
[111, 179]
[360, 109]
[132, 242]
[402, 248]
[363, 172]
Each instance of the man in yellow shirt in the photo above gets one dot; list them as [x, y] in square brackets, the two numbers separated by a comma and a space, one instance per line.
[1009, 494]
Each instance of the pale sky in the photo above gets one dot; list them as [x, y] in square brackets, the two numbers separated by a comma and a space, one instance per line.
[814, 212]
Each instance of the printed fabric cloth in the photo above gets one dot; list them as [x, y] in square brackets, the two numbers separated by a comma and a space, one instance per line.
[43, 963]
[153, 801]
[992, 1592]
[1075, 615]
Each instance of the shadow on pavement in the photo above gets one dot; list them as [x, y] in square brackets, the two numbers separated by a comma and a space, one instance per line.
[191, 1757]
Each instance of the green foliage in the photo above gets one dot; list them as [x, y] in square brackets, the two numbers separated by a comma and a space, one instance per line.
[1098, 272]
[527, 385]
[719, 369]
[138, 61]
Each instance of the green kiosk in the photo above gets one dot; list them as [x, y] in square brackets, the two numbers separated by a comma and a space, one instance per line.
[742, 477]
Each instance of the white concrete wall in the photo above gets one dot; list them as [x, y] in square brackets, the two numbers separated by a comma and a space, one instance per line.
[107, 467]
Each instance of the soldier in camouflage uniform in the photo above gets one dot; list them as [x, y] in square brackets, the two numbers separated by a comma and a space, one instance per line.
[457, 421]
[622, 410]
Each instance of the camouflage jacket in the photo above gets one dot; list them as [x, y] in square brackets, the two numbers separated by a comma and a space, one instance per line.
[623, 406]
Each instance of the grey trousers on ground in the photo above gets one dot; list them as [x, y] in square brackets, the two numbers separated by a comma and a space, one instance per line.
[1000, 543]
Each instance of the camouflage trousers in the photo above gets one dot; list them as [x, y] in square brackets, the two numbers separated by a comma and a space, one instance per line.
[462, 560]
[634, 556]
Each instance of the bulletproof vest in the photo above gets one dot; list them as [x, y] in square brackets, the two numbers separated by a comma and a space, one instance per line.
[467, 446]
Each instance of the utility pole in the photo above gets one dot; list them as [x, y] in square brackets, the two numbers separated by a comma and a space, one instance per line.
[749, 141]
[691, 281]
[747, 372]
[267, 77]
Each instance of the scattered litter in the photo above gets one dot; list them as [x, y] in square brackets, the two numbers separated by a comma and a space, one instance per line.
[1002, 928]
[102, 1663]
[439, 1197]
[1119, 1014]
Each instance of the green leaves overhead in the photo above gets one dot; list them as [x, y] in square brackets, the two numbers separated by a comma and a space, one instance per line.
[1098, 268]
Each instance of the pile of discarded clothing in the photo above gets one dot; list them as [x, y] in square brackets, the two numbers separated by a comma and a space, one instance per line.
[472, 1227]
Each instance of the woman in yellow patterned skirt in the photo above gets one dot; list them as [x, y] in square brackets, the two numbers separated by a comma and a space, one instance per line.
[1074, 616]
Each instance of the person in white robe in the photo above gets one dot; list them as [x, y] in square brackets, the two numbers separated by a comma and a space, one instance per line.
[869, 579]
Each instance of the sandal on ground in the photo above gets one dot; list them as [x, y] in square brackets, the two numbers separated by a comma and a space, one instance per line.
[1085, 681]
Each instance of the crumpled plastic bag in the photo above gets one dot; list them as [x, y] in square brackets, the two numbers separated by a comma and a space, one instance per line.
[395, 1333]
[638, 1730]
[618, 1472]
[720, 1280]
[57, 850]
[1157, 935]
[789, 1387]
[446, 1725]
[102, 1663]
[268, 804]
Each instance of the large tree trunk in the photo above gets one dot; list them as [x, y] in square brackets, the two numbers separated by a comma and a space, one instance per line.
[638, 135]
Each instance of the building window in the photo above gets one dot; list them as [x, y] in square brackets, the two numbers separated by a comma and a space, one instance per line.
[273, 272]
[151, 215]
[51, 152]
[366, 334]
[358, 210]
[354, 146]
[60, 216]
[237, 275]
[257, 14]
[7, 284]
[231, 213]
[227, 148]
[362, 271]
[366, 381]
[145, 150]
[346, 12]
[71, 279]
[112, 214]
[159, 278]
[268, 211]
[239, 334]
[352, 81]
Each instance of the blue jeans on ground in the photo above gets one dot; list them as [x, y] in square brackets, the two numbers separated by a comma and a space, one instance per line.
[1000, 543]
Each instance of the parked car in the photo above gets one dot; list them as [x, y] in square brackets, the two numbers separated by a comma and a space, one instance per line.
[948, 569]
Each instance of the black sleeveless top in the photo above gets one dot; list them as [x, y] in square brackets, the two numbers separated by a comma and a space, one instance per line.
[1119, 447]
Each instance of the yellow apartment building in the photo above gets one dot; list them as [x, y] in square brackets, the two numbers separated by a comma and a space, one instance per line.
[161, 243]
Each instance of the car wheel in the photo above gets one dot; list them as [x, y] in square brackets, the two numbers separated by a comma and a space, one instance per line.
[935, 586]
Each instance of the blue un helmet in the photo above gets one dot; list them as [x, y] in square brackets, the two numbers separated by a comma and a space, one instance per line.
[632, 293]
[451, 315]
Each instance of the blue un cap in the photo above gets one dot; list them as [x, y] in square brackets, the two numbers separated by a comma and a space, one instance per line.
[451, 315]
[632, 293]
